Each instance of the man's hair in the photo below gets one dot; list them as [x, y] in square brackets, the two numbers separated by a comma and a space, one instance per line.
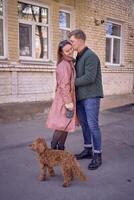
[79, 34]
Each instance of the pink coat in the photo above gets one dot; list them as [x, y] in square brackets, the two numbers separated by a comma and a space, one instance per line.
[65, 93]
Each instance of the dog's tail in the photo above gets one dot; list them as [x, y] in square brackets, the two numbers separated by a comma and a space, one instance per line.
[76, 169]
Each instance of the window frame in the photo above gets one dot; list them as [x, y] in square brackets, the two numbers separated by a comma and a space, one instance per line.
[70, 13]
[34, 24]
[112, 37]
[4, 31]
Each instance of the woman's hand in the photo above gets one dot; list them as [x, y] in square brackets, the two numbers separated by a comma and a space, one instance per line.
[69, 106]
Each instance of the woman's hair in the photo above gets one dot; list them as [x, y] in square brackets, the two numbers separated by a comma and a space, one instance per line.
[60, 50]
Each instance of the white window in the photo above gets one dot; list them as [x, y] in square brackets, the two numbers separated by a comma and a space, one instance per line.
[113, 43]
[33, 31]
[2, 29]
[64, 24]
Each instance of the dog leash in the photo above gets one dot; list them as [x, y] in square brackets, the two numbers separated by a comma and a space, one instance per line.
[69, 115]
[68, 124]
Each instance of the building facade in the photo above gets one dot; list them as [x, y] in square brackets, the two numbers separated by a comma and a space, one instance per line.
[30, 31]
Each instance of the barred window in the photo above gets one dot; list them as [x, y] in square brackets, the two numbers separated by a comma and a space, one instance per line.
[113, 43]
[33, 31]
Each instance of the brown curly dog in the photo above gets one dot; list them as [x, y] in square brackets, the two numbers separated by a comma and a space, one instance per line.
[49, 158]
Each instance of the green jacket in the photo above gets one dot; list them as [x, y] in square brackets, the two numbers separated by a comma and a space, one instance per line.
[88, 75]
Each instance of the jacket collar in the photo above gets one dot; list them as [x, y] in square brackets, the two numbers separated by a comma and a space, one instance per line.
[79, 55]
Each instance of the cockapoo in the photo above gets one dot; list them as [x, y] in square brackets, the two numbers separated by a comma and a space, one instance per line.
[49, 158]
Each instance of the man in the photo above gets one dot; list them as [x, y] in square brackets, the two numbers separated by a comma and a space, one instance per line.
[89, 91]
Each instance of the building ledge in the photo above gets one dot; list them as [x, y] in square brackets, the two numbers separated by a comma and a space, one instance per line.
[113, 101]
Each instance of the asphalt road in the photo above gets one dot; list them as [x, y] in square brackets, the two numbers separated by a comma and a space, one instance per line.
[114, 180]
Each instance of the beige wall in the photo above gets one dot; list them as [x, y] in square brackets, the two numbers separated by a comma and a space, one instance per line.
[22, 82]
[19, 85]
[117, 83]
[12, 29]
[121, 11]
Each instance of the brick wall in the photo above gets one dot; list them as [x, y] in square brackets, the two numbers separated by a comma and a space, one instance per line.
[12, 28]
[5, 84]
[26, 84]
[116, 83]
[120, 11]
[32, 82]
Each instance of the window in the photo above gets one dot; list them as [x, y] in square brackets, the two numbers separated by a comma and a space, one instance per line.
[64, 24]
[113, 43]
[33, 31]
[2, 30]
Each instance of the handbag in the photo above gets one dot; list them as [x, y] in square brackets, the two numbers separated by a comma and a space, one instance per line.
[69, 113]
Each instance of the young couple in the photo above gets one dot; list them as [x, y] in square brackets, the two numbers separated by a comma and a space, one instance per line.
[79, 90]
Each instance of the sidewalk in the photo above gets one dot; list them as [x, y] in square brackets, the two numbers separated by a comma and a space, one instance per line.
[30, 110]
[113, 180]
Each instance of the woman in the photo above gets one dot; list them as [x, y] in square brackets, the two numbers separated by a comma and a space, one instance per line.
[64, 97]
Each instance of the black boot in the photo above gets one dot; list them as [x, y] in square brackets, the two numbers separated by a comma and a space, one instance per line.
[86, 153]
[61, 147]
[95, 162]
[54, 145]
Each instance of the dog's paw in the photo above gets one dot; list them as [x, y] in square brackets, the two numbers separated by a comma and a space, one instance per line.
[41, 178]
[52, 174]
[65, 184]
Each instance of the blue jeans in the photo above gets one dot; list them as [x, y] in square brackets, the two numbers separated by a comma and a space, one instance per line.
[88, 113]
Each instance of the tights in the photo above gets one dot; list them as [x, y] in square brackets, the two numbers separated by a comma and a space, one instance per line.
[58, 140]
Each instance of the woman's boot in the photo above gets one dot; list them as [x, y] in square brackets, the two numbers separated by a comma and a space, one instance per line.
[54, 145]
[62, 140]
[55, 139]
[61, 147]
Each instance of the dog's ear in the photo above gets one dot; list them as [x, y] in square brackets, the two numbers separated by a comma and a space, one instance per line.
[38, 140]
[41, 147]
